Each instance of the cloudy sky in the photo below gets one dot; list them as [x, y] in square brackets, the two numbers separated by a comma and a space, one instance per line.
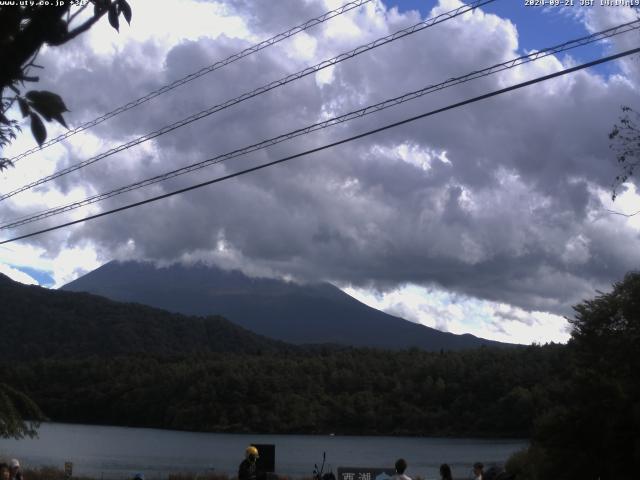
[489, 219]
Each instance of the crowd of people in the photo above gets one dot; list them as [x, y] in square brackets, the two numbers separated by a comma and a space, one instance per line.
[248, 470]
[479, 473]
[493, 473]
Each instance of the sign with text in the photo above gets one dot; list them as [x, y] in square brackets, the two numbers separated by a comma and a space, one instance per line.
[365, 473]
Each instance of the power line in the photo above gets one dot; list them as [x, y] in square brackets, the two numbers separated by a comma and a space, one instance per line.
[192, 76]
[265, 88]
[608, 33]
[339, 142]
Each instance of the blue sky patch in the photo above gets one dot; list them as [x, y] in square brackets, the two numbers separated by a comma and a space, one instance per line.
[538, 27]
[41, 276]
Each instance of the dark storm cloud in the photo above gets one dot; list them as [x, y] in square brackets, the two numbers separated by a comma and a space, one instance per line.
[509, 217]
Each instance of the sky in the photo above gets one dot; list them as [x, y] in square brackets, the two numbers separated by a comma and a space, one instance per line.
[490, 219]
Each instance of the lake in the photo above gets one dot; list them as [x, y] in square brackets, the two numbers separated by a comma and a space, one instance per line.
[120, 452]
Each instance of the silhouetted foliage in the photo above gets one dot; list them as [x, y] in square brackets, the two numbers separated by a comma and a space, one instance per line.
[19, 415]
[24, 29]
[593, 429]
[625, 142]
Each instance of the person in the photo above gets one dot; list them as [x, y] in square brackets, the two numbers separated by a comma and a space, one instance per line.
[445, 472]
[15, 470]
[5, 473]
[478, 471]
[247, 469]
[401, 466]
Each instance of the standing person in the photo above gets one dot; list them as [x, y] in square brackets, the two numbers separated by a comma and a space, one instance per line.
[5, 473]
[401, 466]
[15, 470]
[445, 472]
[247, 469]
[478, 471]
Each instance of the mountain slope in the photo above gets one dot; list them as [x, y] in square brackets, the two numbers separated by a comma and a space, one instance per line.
[319, 313]
[40, 323]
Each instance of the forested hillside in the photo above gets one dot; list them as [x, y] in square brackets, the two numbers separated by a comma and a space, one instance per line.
[40, 323]
[484, 392]
[83, 358]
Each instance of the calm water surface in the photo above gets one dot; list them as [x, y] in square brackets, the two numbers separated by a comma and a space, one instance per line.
[119, 452]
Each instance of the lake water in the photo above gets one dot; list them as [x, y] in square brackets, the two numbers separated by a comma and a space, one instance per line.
[120, 452]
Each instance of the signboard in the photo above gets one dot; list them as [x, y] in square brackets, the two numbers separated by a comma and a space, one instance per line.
[68, 469]
[365, 473]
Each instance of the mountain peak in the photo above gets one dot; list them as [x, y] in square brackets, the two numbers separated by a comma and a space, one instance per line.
[295, 313]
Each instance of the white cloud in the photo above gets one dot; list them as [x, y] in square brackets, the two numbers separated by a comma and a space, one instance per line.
[167, 23]
[437, 308]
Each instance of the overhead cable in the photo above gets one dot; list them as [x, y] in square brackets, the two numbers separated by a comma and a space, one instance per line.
[608, 33]
[334, 144]
[192, 76]
[266, 88]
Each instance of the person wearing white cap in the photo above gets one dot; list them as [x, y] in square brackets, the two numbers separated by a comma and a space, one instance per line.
[14, 468]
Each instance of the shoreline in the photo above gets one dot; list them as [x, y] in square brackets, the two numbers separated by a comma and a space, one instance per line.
[481, 438]
[117, 453]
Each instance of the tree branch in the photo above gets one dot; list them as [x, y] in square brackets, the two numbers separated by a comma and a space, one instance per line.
[84, 27]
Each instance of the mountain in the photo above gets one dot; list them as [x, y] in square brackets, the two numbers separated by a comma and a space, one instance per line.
[36, 322]
[295, 313]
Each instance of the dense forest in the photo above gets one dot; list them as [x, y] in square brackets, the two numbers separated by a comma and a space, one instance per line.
[484, 392]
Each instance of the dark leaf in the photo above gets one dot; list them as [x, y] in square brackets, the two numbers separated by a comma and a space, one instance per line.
[99, 6]
[126, 10]
[5, 163]
[4, 119]
[38, 129]
[48, 104]
[24, 107]
[48, 99]
[113, 16]
[60, 119]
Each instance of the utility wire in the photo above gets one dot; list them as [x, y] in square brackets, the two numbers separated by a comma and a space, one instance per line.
[627, 27]
[330, 145]
[203, 71]
[275, 84]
